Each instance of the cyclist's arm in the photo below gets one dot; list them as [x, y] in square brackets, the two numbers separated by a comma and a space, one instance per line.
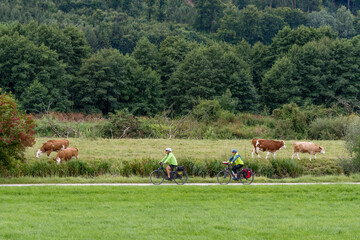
[234, 158]
[241, 157]
[165, 159]
[230, 160]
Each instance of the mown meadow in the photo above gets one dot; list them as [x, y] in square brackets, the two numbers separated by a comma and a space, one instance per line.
[180, 212]
[198, 150]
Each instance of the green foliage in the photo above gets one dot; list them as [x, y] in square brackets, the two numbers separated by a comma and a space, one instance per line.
[81, 129]
[292, 113]
[227, 102]
[207, 72]
[279, 168]
[16, 131]
[352, 136]
[322, 18]
[35, 98]
[287, 168]
[328, 128]
[208, 14]
[352, 139]
[287, 37]
[72, 54]
[122, 124]
[207, 110]
[172, 52]
[146, 54]
[110, 81]
[73, 168]
[22, 62]
[344, 23]
[279, 85]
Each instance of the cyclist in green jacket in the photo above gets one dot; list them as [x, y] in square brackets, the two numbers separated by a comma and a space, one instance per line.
[238, 162]
[169, 158]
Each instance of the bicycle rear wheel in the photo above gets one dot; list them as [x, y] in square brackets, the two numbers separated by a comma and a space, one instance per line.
[180, 177]
[245, 180]
[223, 177]
[157, 177]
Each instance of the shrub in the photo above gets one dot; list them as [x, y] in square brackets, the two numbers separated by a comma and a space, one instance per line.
[328, 128]
[286, 168]
[70, 129]
[207, 111]
[123, 124]
[16, 131]
[294, 116]
[352, 137]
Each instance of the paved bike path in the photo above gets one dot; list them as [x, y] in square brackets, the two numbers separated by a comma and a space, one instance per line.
[164, 184]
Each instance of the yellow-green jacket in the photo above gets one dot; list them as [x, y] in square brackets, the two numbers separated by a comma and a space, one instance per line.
[170, 158]
[236, 159]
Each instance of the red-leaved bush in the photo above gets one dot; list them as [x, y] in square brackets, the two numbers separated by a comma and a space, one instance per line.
[16, 130]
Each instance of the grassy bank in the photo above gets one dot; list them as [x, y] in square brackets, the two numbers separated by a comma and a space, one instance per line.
[136, 179]
[180, 212]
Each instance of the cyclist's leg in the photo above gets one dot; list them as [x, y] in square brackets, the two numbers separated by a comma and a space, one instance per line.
[236, 169]
[168, 169]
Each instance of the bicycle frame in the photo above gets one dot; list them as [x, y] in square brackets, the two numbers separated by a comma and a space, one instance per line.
[223, 177]
[229, 170]
[172, 172]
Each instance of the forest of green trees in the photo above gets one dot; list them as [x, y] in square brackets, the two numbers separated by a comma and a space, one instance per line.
[100, 56]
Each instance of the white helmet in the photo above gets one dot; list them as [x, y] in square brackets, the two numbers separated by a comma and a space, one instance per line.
[168, 149]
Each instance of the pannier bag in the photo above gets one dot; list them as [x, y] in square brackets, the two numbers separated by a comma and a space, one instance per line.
[180, 168]
[247, 172]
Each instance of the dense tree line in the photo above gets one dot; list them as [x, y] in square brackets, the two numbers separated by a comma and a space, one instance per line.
[102, 56]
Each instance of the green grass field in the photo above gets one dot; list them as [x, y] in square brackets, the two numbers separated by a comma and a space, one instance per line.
[130, 149]
[180, 212]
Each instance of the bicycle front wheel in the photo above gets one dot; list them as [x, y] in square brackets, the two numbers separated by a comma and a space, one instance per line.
[180, 177]
[223, 177]
[245, 180]
[157, 177]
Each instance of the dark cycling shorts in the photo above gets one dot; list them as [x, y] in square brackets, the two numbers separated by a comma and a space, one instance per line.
[237, 167]
[172, 166]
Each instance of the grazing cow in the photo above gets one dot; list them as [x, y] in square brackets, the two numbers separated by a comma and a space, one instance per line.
[52, 145]
[66, 154]
[306, 147]
[270, 146]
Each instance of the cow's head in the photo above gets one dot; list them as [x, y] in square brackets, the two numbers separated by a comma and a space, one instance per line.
[39, 153]
[322, 150]
[57, 160]
[283, 145]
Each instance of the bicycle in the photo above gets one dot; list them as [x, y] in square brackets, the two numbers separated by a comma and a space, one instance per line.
[179, 176]
[224, 176]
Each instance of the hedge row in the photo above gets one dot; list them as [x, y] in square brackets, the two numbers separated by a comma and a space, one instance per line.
[278, 168]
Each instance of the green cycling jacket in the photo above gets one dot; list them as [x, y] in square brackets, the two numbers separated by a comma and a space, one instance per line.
[169, 158]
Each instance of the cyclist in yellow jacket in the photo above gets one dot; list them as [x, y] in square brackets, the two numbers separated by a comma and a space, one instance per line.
[169, 158]
[238, 162]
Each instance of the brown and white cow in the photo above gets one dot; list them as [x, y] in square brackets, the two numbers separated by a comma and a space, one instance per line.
[306, 147]
[270, 146]
[52, 145]
[66, 154]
